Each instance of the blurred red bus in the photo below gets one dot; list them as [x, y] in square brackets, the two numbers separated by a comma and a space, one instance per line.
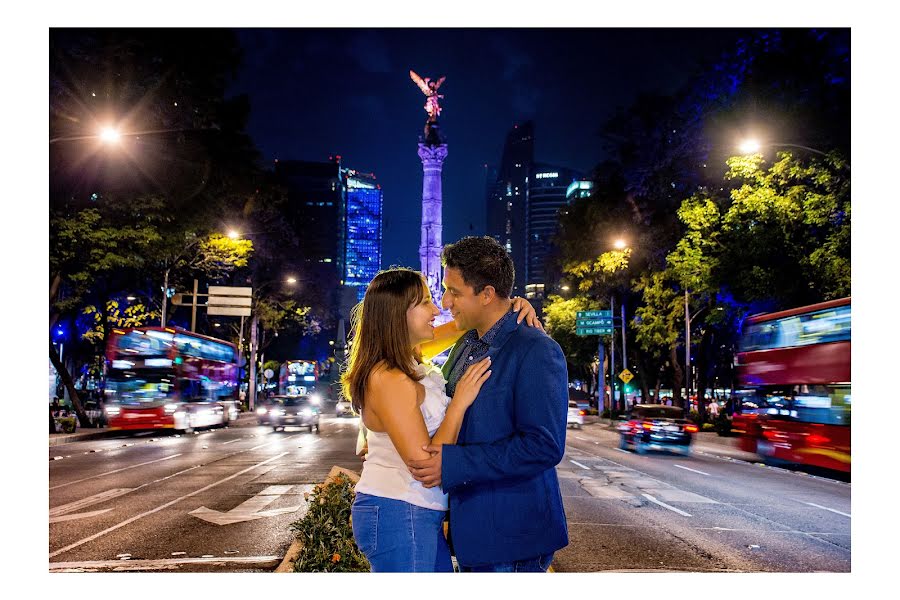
[169, 378]
[794, 370]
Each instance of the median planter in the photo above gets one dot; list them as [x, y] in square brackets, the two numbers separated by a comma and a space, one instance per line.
[324, 537]
[66, 424]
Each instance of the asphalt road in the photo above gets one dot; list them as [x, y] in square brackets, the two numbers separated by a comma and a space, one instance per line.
[220, 500]
[223, 501]
[705, 512]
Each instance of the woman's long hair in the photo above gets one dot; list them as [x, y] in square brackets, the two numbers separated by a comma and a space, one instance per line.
[379, 333]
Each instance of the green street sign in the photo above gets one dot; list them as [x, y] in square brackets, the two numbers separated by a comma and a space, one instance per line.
[595, 322]
[592, 314]
[593, 331]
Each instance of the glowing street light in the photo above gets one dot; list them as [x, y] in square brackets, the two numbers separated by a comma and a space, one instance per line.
[233, 234]
[110, 135]
[292, 280]
[752, 146]
[749, 146]
[620, 244]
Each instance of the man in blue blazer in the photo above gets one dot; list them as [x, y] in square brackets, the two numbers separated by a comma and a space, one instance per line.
[506, 510]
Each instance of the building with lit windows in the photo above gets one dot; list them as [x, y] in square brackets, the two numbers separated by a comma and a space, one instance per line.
[363, 234]
[545, 195]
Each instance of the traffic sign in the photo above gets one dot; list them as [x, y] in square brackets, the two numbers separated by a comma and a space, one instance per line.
[231, 301]
[593, 330]
[592, 314]
[626, 376]
[595, 322]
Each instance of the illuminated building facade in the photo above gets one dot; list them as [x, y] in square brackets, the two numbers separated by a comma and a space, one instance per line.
[545, 195]
[363, 232]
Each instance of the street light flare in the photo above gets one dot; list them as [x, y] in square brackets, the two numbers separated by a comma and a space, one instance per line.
[110, 135]
[620, 244]
[749, 146]
[234, 234]
[291, 280]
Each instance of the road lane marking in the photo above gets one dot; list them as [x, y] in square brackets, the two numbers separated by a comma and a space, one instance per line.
[250, 509]
[116, 471]
[578, 437]
[59, 513]
[664, 505]
[232, 441]
[159, 508]
[579, 464]
[826, 508]
[692, 470]
[164, 563]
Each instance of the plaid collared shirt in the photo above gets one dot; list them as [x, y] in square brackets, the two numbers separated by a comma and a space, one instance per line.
[475, 349]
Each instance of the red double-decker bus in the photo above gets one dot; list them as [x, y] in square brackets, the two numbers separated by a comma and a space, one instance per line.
[169, 378]
[794, 370]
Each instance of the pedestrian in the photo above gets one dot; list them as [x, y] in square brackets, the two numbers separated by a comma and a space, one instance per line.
[506, 510]
[398, 522]
[713, 409]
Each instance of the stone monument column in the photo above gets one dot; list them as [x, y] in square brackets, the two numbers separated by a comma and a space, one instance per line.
[432, 157]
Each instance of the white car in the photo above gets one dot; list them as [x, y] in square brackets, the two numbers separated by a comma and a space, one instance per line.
[575, 417]
[343, 408]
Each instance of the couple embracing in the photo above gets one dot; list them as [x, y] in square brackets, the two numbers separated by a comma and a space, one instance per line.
[481, 438]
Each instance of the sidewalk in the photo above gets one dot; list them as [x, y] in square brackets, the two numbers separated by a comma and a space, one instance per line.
[92, 433]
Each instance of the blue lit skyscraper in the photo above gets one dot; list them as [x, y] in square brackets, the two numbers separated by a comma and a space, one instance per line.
[363, 230]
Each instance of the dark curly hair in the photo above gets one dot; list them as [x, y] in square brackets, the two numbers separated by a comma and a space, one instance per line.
[482, 262]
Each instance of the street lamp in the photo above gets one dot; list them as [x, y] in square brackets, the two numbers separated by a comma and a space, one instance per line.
[620, 244]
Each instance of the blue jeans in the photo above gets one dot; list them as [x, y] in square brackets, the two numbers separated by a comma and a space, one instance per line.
[538, 564]
[399, 537]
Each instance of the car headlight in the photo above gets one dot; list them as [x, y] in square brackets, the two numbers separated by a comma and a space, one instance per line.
[306, 412]
[170, 408]
[113, 410]
[261, 410]
[315, 398]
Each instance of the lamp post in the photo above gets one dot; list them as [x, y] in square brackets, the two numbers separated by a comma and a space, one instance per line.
[620, 244]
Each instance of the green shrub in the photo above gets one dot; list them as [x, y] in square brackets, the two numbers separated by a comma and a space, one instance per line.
[326, 533]
[67, 424]
[707, 427]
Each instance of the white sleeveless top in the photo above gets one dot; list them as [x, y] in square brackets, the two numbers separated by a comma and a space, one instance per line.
[384, 473]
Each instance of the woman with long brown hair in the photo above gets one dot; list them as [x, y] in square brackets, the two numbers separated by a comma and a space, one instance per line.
[398, 523]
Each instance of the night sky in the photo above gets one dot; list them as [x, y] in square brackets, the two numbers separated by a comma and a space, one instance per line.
[319, 92]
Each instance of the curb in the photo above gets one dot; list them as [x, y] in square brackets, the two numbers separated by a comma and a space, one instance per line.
[287, 564]
[58, 439]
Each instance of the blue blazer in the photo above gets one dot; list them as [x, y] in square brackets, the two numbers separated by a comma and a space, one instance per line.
[505, 503]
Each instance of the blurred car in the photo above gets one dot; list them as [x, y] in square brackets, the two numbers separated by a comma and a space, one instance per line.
[575, 417]
[343, 408]
[263, 406]
[656, 427]
[295, 411]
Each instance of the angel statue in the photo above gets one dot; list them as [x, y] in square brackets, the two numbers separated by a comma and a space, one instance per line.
[432, 98]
